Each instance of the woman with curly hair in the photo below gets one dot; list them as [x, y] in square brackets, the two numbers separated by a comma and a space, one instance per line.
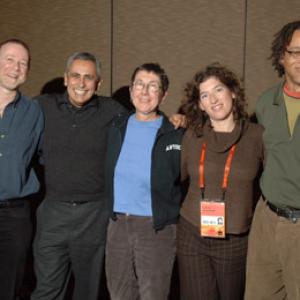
[222, 155]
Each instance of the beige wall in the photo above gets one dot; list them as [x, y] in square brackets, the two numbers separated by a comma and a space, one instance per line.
[181, 35]
[56, 29]
[264, 19]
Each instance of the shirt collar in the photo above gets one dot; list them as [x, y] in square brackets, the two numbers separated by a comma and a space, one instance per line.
[65, 101]
[16, 100]
[223, 141]
[289, 93]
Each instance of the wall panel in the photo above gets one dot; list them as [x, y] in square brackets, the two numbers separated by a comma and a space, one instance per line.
[264, 19]
[54, 30]
[181, 35]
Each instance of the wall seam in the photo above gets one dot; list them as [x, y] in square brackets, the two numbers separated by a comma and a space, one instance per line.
[111, 45]
[245, 42]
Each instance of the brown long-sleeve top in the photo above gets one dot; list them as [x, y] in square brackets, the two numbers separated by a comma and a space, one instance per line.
[242, 191]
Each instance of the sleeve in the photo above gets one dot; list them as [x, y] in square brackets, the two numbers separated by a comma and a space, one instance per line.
[259, 110]
[263, 148]
[184, 156]
[40, 130]
[119, 108]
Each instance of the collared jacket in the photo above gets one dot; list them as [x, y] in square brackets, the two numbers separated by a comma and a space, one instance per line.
[280, 182]
[165, 169]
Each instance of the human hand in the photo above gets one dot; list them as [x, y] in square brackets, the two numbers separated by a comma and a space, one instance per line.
[178, 120]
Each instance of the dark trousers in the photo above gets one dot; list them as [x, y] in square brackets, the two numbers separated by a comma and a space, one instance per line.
[210, 269]
[15, 237]
[69, 238]
[139, 260]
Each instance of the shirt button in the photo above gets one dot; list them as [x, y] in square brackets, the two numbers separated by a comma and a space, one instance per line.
[2, 136]
[74, 125]
[1, 154]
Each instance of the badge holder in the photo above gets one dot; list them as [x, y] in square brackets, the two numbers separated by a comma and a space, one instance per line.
[212, 218]
[212, 211]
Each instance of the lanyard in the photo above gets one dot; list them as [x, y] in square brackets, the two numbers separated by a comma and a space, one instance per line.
[226, 169]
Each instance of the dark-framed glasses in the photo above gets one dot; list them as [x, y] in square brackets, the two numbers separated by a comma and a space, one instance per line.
[293, 53]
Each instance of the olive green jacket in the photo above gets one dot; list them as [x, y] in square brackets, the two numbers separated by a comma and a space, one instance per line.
[280, 182]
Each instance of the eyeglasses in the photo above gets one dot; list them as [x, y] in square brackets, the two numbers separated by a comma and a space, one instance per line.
[293, 53]
[152, 86]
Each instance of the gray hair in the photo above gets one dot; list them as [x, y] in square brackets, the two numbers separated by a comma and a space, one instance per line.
[84, 56]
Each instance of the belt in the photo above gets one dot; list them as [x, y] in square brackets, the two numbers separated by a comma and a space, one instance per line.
[289, 213]
[12, 203]
[75, 203]
[130, 215]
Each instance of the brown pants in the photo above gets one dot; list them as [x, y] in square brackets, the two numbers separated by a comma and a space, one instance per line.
[210, 269]
[139, 260]
[273, 263]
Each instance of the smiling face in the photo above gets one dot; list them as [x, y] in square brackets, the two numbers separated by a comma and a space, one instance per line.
[217, 101]
[146, 95]
[14, 65]
[291, 63]
[81, 81]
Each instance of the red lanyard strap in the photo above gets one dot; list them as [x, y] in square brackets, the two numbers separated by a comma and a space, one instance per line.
[201, 166]
[201, 169]
[227, 169]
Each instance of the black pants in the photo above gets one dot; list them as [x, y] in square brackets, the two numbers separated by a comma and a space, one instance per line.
[70, 238]
[15, 236]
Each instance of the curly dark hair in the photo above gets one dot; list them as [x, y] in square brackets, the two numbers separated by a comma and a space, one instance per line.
[196, 118]
[281, 40]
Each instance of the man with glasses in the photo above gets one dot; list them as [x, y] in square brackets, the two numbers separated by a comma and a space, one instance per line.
[273, 266]
[21, 125]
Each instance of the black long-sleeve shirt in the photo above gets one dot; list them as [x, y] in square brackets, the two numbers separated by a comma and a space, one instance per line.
[74, 144]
